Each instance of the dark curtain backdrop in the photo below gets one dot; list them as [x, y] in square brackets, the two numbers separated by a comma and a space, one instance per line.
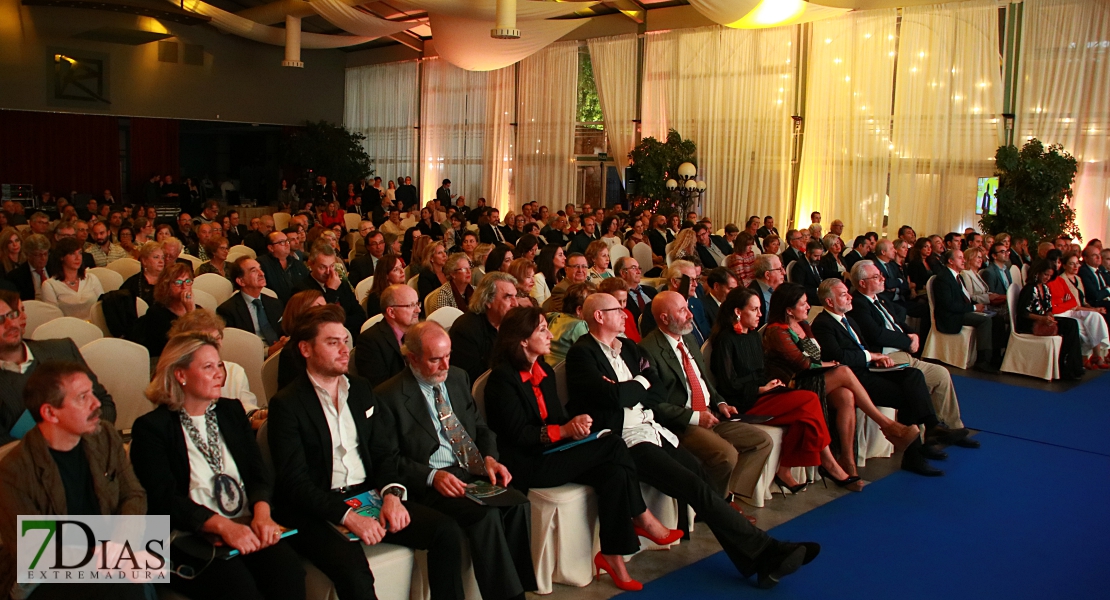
[60, 152]
[155, 149]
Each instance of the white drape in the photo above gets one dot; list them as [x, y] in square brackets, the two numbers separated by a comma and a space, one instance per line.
[732, 92]
[1064, 96]
[754, 14]
[546, 112]
[463, 136]
[947, 115]
[348, 18]
[498, 156]
[265, 34]
[614, 60]
[382, 105]
[845, 159]
[466, 43]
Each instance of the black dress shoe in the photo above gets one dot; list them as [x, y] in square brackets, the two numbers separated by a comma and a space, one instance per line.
[917, 464]
[932, 451]
[778, 561]
[812, 550]
[966, 443]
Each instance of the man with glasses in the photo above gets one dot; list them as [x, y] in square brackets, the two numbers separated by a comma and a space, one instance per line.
[795, 250]
[769, 275]
[251, 310]
[28, 277]
[378, 355]
[807, 272]
[577, 270]
[476, 330]
[282, 270]
[639, 296]
[997, 274]
[324, 276]
[18, 360]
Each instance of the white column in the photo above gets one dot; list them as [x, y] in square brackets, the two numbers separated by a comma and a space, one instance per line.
[292, 42]
[505, 27]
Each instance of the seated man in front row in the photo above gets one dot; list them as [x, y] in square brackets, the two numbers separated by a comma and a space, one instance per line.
[444, 445]
[328, 445]
[69, 463]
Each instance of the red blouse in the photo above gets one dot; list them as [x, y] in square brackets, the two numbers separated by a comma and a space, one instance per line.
[535, 376]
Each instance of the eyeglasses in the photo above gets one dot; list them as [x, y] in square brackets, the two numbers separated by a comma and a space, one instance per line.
[13, 315]
[577, 267]
[609, 309]
[634, 268]
[409, 305]
[281, 243]
[182, 281]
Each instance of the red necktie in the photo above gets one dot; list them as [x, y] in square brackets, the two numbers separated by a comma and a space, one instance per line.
[697, 398]
[640, 299]
[42, 275]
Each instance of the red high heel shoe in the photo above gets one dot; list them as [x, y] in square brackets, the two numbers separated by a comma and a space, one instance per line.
[600, 564]
[674, 536]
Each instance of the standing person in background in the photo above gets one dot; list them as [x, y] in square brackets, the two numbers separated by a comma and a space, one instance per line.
[444, 195]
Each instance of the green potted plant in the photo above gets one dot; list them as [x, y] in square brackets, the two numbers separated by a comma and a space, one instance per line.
[653, 162]
[327, 149]
[1034, 192]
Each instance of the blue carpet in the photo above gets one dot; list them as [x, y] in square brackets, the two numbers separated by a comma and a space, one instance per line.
[978, 532]
[1075, 419]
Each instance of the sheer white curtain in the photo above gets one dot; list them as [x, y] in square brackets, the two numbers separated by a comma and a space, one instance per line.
[497, 153]
[947, 115]
[732, 93]
[381, 103]
[1064, 96]
[546, 112]
[614, 60]
[845, 158]
[452, 115]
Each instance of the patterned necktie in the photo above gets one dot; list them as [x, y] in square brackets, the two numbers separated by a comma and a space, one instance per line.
[461, 444]
[697, 397]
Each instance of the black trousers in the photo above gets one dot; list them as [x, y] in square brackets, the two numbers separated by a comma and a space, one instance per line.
[607, 467]
[991, 333]
[904, 391]
[1071, 351]
[272, 573]
[89, 591]
[676, 473]
[500, 540]
[345, 564]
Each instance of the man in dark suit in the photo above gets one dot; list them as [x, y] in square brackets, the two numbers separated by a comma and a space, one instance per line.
[474, 332]
[407, 195]
[720, 282]
[614, 382]
[251, 310]
[903, 390]
[444, 446]
[674, 275]
[1019, 252]
[363, 266]
[282, 270]
[28, 277]
[769, 275]
[882, 328]
[860, 248]
[807, 272]
[25, 356]
[585, 237]
[323, 409]
[639, 295]
[259, 239]
[379, 348]
[489, 231]
[659, 236]
[444, 195]
[238, 231]
[795, 250]
[896, 286]
[732, 453]
[323, 276]
[953, 309]
[1094, 280]
[996, 274]
[709, 253]
[768, 228]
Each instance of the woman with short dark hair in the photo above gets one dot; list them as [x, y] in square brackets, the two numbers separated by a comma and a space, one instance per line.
[70, 288]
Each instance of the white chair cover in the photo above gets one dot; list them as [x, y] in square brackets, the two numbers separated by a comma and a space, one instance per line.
[123, 368]
[372, 321]
[351, 220]
[412, 283]
[408, 222]
[110, 280]
[1016, 275]
[789, 272]
[1028, 354]
[141, 307]
[81, 332]
[445, 316]
[814, 311]
[96, 317]
[204, 300]
[39, 312]
[642, 253]
[196, 262]
[655, 282]
[281, 220]
[617, 252]
[126, 267]
[362, 290]
[269, 292]
[248, 351]
[239, 250]
[216, 285]
[270, 370]
[956, 349]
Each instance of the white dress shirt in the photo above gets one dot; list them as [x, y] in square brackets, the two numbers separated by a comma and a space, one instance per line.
[444, 455]
[238, 387]
[252, 310]
[694, 418]
[639, 422]
[201, 475]
[346, 466]
[20, 368]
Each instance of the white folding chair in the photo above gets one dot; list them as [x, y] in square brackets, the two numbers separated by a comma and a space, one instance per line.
[618, 252]
[39, 312]
[109, 279]
[956, 349]
[351, 220]
[123, 368]
[248, 351]
[204, 300]
[362, 290]
[271, 293]
[790, 272]
[1016, 275]
[281, 220]
[1024, 273]
[81, 332]
[126, 267]
[270, 371]
[141, 307]
[96, 317]
[408, 222]
[238, 251]
[216, 285]
[194, 261]
[1028, 354]
[445, 316]
[642, 253]
[372, 321]
[412, 282]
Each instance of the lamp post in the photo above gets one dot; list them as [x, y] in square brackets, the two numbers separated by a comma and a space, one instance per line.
[685, 190]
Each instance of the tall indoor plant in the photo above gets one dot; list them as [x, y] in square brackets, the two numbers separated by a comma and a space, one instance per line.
[653, 162]
[1034, 192]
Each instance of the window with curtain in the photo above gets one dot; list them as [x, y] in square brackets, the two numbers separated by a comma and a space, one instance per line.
[947, 114]
[1064, 96]
[546, 115]
[613, 60]
[732, 92]
[845, 157]
[381, 103]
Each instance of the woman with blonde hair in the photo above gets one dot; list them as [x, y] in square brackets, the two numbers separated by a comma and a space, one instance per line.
[153, 261]
[597, 256]
[685, 245]
[197, 458]
[11, 250]
[432, 276]
[206, 322]
[481, 253]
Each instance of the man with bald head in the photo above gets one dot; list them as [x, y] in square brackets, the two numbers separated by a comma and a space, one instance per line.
[674, 275]
[379, 347]
[616, 384]
[444, 445]
[733, 454]
[283, 271]
[257, 240]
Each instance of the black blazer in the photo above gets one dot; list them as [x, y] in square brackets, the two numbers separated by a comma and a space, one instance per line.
[514, 416]
[486, 235]
[672, 412]
[896, 282]
[872, 327]
[590, 394]
[802, 274]
[1095, 292]
[634, 308]
[23, 279]
[835, 342]
[950, 302]
[300, 443]
[410, 425]
[236, 314]
[161, 460]
[791, 255]
[139, 288]
[361, 268]
[344, 296]
[237, 234]
[472, 337]
[737, 362]
[378, 355]
[658, 242]
[580, 242]
[850, 258]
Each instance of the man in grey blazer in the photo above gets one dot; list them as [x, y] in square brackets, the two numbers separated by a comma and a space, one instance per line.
[19, 358]
[444, 445]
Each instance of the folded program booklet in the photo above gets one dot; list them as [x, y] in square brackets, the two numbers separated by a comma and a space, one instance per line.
[368, 504]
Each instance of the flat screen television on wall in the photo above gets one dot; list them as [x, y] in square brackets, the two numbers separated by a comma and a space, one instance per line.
[986, 200]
